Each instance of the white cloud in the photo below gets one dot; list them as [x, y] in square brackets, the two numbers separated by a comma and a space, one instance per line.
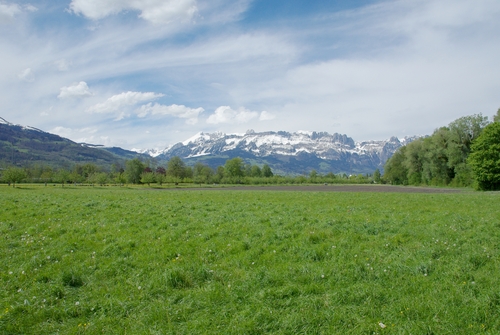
[30, 8]
[27, 75]
[155, 11]
[265, 116]
[180, 111]
[82, 135]
[70, 132]
[62, 65]
[224, 114]
[118, 101]
[8, 11]
[77, 90]
[47, 111]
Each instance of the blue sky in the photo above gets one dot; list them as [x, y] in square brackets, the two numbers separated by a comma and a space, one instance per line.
[151, 73]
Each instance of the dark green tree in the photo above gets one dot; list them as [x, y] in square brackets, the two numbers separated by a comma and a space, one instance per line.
[395, 171]
[255, 171]
[496, 117]
[485, 158]
[463, 132]
[133, 170]
[219, 174]
[436, 170]
[376, 176]
[414, 161]
[234, 168]
[266, 171]
[202, 173]
[176, 168]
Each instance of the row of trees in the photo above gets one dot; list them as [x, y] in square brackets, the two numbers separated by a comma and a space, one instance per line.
[135, 171]
[463, 154]
[177, 171]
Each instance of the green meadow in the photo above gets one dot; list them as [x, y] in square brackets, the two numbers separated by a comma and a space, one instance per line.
[117, 260]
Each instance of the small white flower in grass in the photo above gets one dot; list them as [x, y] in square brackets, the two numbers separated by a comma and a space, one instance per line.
[139, 287]
[48, 257]
[20, 290]
[381, 325]
[10, 272]
[77, 303]
[322, 276]
[229, 285]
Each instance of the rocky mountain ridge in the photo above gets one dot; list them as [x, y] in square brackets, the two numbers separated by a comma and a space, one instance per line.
[337, 152]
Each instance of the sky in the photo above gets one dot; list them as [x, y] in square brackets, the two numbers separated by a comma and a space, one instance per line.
[146, 74]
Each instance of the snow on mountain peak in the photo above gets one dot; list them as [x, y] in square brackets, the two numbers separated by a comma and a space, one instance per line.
[3, 121]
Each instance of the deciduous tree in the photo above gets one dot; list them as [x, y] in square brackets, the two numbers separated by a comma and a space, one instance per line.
[176, 167]
[266, 171]
[133, 170]
[234, 167]
[485, 158]
[14, 175]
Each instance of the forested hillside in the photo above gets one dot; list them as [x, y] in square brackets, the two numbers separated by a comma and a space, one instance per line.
[26, 146]
[450, 156]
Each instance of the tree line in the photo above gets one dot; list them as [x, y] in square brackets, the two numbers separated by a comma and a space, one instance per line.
[175, 171]
[463, 154]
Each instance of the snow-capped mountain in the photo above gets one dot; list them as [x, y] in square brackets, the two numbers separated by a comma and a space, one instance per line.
[297, 152]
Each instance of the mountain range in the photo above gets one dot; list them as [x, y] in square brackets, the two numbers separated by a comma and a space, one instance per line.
[286, 153]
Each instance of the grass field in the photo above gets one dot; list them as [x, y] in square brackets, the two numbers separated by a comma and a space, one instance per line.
[111, 260]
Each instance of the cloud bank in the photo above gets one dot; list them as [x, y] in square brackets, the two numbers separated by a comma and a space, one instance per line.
[118, 101]
[180, 111]
[77, 90]
[225, 114]
[155, 11]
